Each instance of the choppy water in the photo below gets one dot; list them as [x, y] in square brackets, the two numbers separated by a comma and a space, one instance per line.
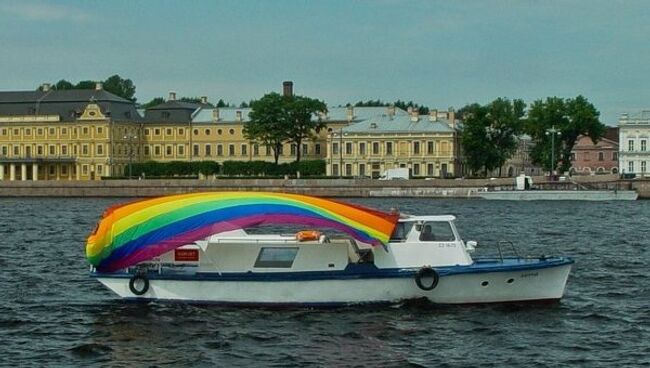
[53, 314]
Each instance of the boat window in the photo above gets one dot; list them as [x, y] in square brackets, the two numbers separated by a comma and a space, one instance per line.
[276, 257]
[401, 232]
[436, 231]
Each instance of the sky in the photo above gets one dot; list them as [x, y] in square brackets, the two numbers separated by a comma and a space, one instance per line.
[436, 53]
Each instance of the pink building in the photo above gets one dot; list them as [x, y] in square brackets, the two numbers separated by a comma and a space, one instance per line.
[588, 157]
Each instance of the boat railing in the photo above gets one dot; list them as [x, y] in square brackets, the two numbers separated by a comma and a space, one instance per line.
[504, 248]
[506, 244]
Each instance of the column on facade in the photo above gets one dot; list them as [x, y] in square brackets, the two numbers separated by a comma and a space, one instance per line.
[23, 172]
[70, 172]
[78, 167]
[2, 172]
[34, 171]
[12, 172]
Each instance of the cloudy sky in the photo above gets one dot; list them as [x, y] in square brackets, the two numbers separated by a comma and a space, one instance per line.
[436, 53]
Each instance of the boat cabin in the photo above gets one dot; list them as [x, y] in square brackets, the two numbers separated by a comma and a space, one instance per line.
[416, 241]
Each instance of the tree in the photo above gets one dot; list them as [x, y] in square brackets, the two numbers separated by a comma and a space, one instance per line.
[221, 103]
[154, 102]
[572, 117]
[86, 84]
[121, 87]
[300, 110]
[489, 135]
[268, 120]
[63, 85]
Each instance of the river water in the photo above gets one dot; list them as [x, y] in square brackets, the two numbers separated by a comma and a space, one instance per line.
[53, 314]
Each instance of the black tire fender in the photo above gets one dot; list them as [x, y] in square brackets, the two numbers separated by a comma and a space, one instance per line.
[145, 285]
[426, 272]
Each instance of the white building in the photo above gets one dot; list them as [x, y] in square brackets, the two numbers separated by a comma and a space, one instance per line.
[634, 134]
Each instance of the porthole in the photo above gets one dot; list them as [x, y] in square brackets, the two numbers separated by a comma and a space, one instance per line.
[485, 283]
[510, 281]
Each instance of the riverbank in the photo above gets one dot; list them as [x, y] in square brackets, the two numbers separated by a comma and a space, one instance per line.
[436, 188]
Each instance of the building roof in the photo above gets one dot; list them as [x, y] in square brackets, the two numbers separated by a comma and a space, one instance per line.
[67, 104]
[399, 123]
[173, 111]
[612, 134]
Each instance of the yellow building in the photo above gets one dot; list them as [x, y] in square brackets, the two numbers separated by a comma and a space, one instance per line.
[69, 135]
[424, 144]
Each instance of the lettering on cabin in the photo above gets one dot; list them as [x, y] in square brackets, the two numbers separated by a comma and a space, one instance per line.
[529, 274]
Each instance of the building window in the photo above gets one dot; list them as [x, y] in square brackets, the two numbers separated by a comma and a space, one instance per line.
[219, 131]
[28, 132]
[52, 170]
[601, 156]
[362, 149]
[244, 150]
[231, 131]
[181, 132]
[256, 149]
[52, 150]
[168, 132]
[100, 149]
[615, 156]
[430, 148]
[416, 169]
[362, 170]
[219, 150]
[181, 150]
[208, 150]
[99, 170]
[630, 145]
[348, 148]
[630, 167]
[52, 132]
[196, 132]
[573, 156]
[4, 150]
[16, 151]
[196, 150]
[64, 170]
[416, 148]
[643, 167]
[17, 133]
[305, 149]
[64, 131]
[39, 131]
[168, 150]
[389, 148]
[156, 150]
[4, 132]
[84, 169]
[335, 148]
[147, 131]
[293, 150]
[335, 170]
[375, 148]
[100, 131]
[348, 169]
[643, 145]
[64, 150]
[207, 132]
[231, 150]
[156, 131]
[268, 150]
[84, 131]
[317, 149]
[146, 151]
[84, 150]
[429, 169]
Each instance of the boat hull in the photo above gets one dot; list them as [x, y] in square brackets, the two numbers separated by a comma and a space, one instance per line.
[481, 283]
[560, 195]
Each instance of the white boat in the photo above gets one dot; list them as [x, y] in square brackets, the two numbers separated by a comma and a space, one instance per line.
[524, 191]
[425, 258]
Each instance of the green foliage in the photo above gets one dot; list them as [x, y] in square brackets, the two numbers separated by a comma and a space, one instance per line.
[175, 168]
[63, 85]
[265, 168]
[85, 84]
[490, 132]
[268, 122]
[299, 111]
[423, 110]
[194, 100]
[572, 117]
[221, 103]
[120, 87]
[154, 102]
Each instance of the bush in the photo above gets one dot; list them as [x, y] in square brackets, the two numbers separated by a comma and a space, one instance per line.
[264, 168]
[175, 168]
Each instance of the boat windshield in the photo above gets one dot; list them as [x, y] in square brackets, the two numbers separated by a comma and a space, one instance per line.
[401, 232]
[436, 231]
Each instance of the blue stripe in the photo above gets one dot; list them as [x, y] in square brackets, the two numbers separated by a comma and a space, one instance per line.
[213, 217]
[353, 271]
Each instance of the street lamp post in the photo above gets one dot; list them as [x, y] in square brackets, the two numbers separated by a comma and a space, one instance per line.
[552, 132]
[130, 139]
[341, 152]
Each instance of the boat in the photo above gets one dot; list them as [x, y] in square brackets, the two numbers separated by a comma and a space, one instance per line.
[524, 191]
[208, 248]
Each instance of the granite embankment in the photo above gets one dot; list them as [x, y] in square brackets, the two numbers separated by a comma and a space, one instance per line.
[448, 188]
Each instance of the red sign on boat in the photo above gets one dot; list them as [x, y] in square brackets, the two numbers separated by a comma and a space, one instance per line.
[186, 255]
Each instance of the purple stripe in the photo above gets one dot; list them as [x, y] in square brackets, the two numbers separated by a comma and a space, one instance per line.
[220, 227]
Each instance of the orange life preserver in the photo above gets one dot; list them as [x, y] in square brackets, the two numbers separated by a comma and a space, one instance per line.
[307, 235]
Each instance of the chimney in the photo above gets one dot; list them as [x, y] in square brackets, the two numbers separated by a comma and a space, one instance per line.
[287, 88]
[350, 111]
[215, 114]
[45, 87]
[391, 111]
[451, 115]
[172, 96]
[238, 116]
[99, 86]
[415, 114]
[433, 115]
[204, 100]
